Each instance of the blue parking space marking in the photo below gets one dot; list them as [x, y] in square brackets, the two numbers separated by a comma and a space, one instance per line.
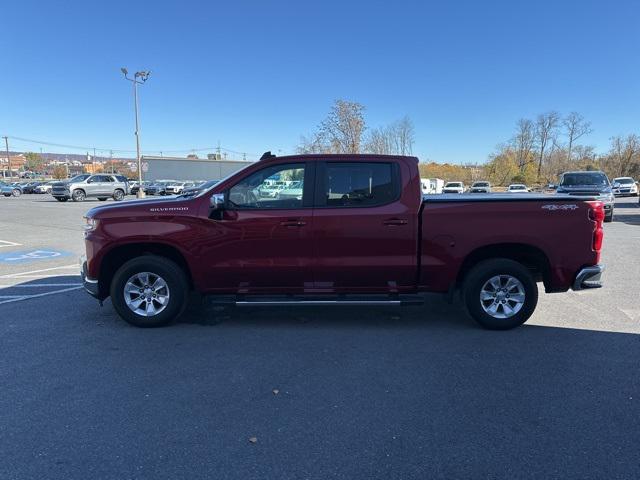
[29, 256]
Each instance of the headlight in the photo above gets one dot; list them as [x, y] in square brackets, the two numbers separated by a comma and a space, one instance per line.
[90, 224]
[606, 197]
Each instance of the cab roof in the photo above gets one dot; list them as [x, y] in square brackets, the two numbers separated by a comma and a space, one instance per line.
[268, 156]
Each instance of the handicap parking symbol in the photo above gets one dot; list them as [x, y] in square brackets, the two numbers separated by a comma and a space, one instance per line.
[26, 256]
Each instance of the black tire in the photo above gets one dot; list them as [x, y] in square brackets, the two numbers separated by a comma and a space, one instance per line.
[102, 199]
[172, 274]
[609, 218]
[61, 199]
[118, 195]
[78, 195]
[480, 274]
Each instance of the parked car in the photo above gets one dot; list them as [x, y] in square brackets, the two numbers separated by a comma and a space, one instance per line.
[85, 186]
[589, 183]
[517, 188]
[175, 188]
[230, 243]
[44, 187]
[30, 187]
[11, 189]
[294, 190]
[198, 187]
[157, 188]
[624, 187]
[125, 181]
[134, 187]
[480, 187]
[453, 187]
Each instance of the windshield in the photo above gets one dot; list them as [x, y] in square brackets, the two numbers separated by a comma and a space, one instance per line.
[453, 184]
[623, 181]
[517, 187]
[79, 178]
[584, 178]
[481, 184]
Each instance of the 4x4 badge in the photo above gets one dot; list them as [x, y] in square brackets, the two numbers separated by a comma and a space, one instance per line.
[569, 206]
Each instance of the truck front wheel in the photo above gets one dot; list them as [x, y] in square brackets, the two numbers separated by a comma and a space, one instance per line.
[149, 291]
[500, 293]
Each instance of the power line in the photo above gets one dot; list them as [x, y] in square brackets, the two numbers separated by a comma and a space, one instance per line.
[114, 150]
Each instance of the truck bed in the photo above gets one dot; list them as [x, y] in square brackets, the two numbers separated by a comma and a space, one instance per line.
[505, 197]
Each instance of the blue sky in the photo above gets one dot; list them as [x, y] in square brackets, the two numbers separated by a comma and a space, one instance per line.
[257, 75]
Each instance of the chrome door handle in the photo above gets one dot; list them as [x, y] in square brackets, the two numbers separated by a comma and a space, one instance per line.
[393, 222]
[293, 223]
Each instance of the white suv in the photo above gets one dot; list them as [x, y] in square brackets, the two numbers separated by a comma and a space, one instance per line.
[453, 187]
[623, 186]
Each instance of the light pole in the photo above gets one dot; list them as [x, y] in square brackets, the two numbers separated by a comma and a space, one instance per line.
[138, 78]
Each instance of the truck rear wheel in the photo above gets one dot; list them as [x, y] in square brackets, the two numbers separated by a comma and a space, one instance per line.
[149, 291]
[500, 293]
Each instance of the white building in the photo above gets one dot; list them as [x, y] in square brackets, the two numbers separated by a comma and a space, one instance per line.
[178, 168]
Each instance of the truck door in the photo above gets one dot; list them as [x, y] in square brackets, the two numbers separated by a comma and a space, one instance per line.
[262, 242]
[365, 227]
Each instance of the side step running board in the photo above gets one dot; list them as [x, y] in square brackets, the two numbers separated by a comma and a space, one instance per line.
[317, 303]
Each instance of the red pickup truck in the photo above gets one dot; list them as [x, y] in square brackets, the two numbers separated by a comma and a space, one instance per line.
[340, 230]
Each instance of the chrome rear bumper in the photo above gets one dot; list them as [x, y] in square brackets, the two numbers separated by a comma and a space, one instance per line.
[589, 277]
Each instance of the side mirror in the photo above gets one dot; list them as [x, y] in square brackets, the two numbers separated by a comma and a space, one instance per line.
[216, 206]
[216, 201]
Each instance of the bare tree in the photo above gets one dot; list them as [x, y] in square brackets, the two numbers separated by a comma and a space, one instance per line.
[340, 132]
[378, 141]
[625, 154]
[395, 139]
[523, 142]
[545, 132]
[404, 135]
[575, 126]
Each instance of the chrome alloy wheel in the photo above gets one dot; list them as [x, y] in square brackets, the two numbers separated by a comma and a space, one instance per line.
[146, 294]
[502, 296]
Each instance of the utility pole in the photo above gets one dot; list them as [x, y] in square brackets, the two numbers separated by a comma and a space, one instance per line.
[143, 77]
[111, 160]
[218, 157]
[6, 145]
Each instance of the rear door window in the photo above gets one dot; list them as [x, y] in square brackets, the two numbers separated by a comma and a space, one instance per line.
[360, 184]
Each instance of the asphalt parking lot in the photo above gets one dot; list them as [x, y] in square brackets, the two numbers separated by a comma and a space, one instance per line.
[418, 392]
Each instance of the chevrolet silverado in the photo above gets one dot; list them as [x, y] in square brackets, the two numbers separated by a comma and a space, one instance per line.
[355, 231]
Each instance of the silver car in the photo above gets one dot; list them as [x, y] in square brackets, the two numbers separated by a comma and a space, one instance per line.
[85, 186]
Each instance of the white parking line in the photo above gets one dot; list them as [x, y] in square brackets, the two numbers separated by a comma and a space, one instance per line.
[6, 243]
[37, 275]
[28, 297]
[21, 274]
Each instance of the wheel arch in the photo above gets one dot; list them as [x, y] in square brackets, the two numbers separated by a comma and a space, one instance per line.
[119, 255]
[533, 258]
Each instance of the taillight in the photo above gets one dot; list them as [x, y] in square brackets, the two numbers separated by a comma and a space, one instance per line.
[596, 213]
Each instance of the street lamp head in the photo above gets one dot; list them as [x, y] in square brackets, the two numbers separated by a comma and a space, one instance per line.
[124, 71]
[142, 75]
